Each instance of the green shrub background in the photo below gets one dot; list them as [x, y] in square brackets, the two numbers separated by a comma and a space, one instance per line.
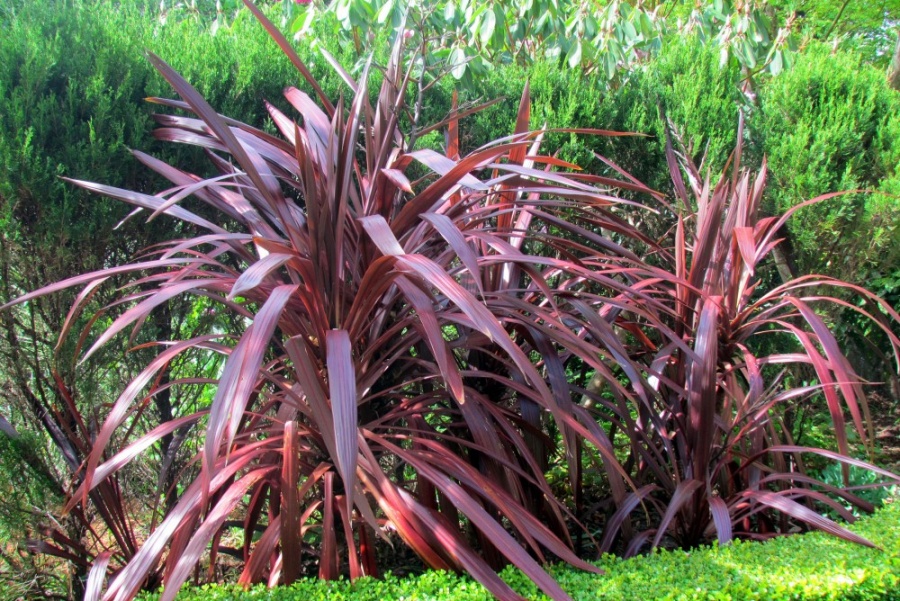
[831, 123]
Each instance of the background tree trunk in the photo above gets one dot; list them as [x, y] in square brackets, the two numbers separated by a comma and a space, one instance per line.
[894, 74]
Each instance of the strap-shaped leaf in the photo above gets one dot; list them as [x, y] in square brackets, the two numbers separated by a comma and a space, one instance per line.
[328, 552]
[702, 387]
[257, 273]
[128, 580]
[286, 47]
[239, 378]
[94, 585]
[621, 515]
[804, 514]
[428, 322]
[244, 156]
[454, 237]
[425, 202]
[142, 309]
[846, 378]
[678, 502]
[94, 476]
[721, 519]
[148, 202]
[487, 524]
[87, 278]
[342, 390]
[290, 505]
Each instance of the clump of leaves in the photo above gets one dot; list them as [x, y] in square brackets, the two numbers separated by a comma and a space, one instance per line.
[405, 361]
[712, 455]
[387, 373]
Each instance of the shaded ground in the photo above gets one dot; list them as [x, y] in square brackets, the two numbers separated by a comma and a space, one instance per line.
[886, 418]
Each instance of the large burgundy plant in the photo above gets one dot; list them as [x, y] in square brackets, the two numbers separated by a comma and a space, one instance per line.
[387, 377]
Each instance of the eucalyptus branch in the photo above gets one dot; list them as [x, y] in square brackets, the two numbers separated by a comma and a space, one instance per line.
[836, 19]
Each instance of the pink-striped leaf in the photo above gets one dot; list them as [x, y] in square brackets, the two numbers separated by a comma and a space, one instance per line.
[239, 378]
[96, 576]
[342, 390]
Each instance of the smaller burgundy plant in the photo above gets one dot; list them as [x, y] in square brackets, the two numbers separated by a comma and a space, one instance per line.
[703, 425]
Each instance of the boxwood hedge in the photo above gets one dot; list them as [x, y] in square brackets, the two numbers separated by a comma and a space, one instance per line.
[805, 567]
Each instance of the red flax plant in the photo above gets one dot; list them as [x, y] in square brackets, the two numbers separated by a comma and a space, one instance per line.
[387, 379]
[710, 453]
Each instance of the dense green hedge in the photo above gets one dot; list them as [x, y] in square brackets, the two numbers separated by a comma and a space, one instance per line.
[73, 79]
[684, 83]
[832, 123]
[797, 568]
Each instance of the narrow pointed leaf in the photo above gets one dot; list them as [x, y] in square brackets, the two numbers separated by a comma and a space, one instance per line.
[239, 377]
[721, 518]
[678, 502]
[290, 506]
[97, 575]
[342, 390]
[805, 514]
[257, 273]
